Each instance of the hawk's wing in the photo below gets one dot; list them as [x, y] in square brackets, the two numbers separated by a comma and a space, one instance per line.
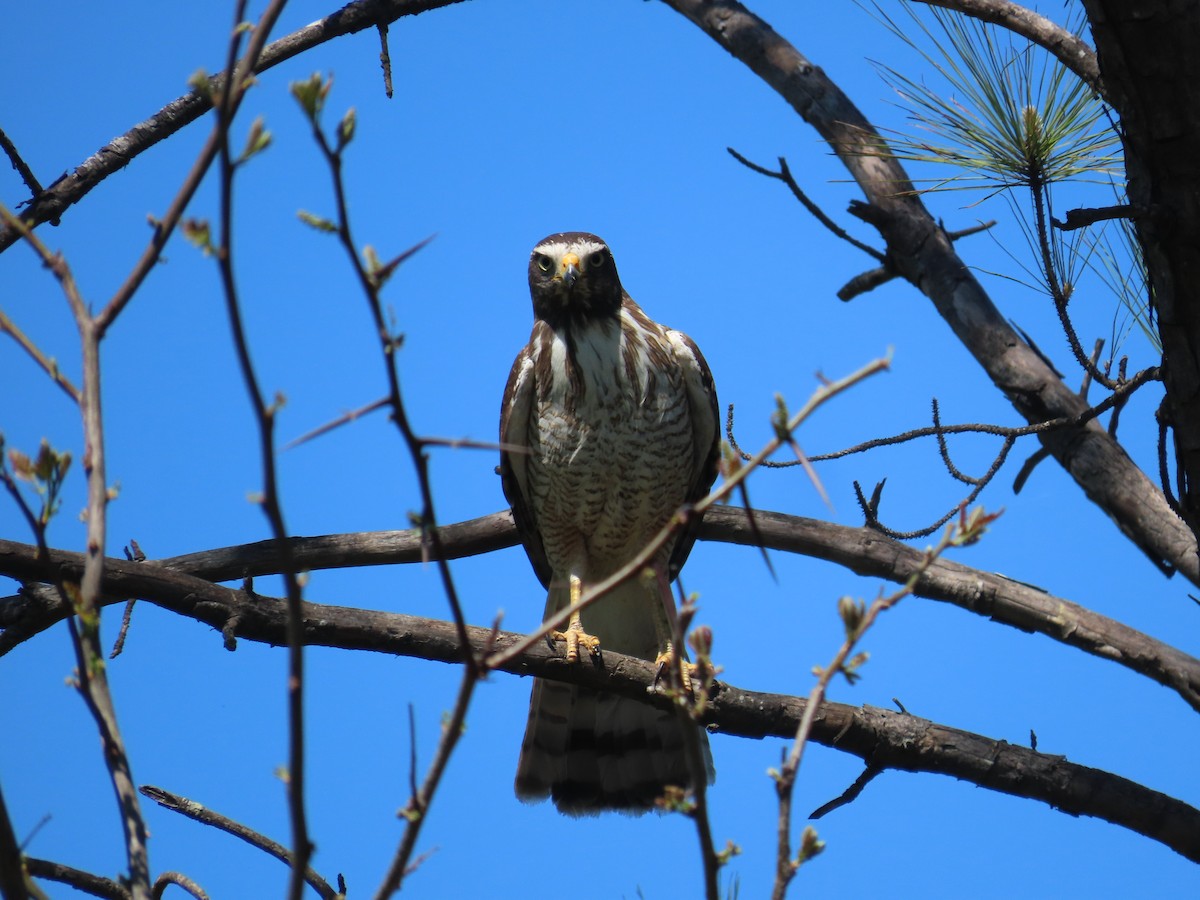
[706, 433]
[515, 410]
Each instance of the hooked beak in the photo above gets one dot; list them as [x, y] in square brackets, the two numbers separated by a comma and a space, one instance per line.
[570, 269]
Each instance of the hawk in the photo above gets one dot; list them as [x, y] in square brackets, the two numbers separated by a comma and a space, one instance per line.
[618, 419]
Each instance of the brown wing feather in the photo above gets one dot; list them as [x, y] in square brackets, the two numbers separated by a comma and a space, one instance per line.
[706, 430]
[515, 410]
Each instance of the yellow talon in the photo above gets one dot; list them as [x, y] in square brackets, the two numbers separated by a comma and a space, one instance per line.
[575, 636]
[665, 660]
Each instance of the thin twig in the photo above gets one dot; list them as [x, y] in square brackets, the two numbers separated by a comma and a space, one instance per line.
[163, 881]
[944, 451]
[857, 622]
[12, 881]
[939, 431]
[1037, 190]
[264, 416]
[1082, 218]
[85, 598]
[22, 167]
[785, 175]
[206, 816]
[687, 709]
[371, 282]
[231, 98]
[385, 59]
[1121, 393]
[418, 804]
[867, 281]
[851, 793]
[182, 111]
[49, 365]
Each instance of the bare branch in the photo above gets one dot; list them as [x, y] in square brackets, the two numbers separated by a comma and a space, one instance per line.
[418, 803]
[867, 281]
[861, 550]
[1068, 48]
[264, 415]
[888, 739]
[385, 59]
[166, 879]
[52, 203]
[49, 366]
[851, 793]
[12, 880]
[857, 621]
[206, 816]
[785, 175]
[21, 167]
[230, 89]
[922, 254]
[1082, 218]
[82, 599]
[95, 885]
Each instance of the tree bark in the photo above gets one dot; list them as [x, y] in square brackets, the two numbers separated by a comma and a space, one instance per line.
[884, 739]
[861, 550]
[1151, 72]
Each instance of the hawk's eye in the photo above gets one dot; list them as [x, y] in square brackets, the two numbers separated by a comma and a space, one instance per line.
[544, 263]
[597, 259]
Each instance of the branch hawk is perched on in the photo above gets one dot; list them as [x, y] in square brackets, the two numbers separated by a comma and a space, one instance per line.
[620, 419]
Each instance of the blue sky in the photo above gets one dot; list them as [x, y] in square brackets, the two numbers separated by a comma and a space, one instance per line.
[512, 121]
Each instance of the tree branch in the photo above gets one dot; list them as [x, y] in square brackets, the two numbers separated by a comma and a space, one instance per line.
[1067, 48]
[53, 202]
[21, 167]
[12, 879]
[922, 253]
[862, 550]
[889, 740]
[1150, 76]
[95, 885]
[214, 819]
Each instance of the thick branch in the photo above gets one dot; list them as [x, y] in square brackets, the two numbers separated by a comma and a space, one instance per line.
[1151, 74]
[861, 550]
[923, 254]
[50, 204]
[887, 739]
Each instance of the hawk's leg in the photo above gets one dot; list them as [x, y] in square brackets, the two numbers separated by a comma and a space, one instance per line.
[575, 636]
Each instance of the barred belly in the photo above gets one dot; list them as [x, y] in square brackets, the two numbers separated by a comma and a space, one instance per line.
[611, 447]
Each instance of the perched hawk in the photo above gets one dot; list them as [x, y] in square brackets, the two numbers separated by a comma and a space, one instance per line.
[620, 420]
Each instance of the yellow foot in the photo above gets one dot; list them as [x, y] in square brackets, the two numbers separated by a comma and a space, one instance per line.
[575, 636]
[665, 661]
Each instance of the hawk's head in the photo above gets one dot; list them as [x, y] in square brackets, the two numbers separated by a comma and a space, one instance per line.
[572, 277]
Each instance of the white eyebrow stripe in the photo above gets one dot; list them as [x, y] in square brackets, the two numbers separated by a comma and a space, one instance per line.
[556, 249]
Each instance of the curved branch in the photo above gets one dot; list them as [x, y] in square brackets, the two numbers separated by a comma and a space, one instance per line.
[206, 816]
[1069, 49]
[862, 550]
[50, 204]
[86, 882]
[922, 253]
[887, 739]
